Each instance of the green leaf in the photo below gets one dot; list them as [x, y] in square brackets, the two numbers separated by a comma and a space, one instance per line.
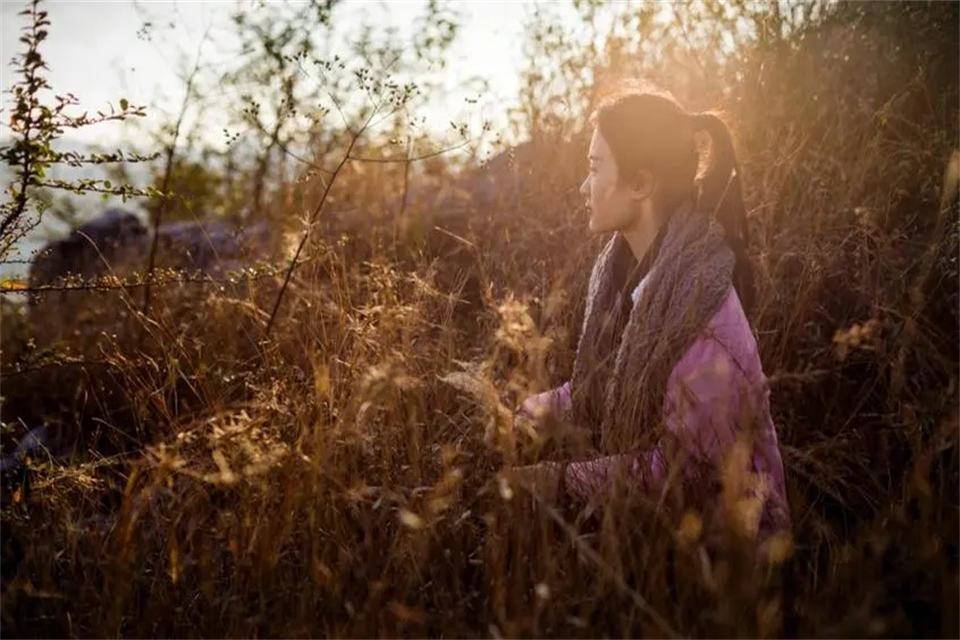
[124, 104]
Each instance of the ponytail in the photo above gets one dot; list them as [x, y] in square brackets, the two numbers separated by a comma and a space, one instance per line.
[720, 194]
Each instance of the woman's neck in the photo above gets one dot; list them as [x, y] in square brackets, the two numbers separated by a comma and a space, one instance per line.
[641, 234]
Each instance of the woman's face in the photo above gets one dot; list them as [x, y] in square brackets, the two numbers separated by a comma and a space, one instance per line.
[612, 206]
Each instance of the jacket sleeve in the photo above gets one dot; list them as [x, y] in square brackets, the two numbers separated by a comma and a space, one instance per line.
[701, 411]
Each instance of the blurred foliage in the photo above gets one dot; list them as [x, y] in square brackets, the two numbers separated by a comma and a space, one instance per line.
[200, 191]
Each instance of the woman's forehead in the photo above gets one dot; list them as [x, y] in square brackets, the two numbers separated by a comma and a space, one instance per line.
[598, 146]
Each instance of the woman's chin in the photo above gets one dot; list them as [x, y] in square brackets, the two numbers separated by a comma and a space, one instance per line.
[597, 226]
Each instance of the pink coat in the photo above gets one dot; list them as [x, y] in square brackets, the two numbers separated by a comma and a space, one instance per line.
[718, 379]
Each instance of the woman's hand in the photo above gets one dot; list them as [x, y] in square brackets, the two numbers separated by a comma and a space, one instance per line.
[543, 480]
[531, 414]
[523, 422]
[541, 407]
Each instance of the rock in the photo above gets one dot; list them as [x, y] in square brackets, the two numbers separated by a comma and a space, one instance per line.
[118, 243]
[213, 247]
[13, 472]
[90, 250]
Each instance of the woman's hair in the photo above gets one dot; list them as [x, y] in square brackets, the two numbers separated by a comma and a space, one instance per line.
[650, 131]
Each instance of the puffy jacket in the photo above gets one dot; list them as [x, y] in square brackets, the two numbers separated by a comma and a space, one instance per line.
[717, 381]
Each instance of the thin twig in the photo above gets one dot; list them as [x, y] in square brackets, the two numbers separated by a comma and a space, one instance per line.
[406, 180]
[57, 364]
[110, 283]
[168, 174]
[309, 229]
[425, 156]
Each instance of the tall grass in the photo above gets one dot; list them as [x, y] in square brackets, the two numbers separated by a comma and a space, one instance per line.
[344, 477]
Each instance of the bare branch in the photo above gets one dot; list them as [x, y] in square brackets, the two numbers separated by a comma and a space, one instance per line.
[425, 156]
[312, 220]
[168, 171]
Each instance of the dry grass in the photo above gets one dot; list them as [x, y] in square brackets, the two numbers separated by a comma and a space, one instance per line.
[331, 481]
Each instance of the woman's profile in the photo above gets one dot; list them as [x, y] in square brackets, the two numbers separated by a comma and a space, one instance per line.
[667, 368]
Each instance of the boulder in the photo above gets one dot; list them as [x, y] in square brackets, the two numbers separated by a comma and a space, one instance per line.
[118, 243]
[90, 250]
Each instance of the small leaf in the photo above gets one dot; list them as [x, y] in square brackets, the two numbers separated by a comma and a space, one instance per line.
[124, 104]
[10, 284]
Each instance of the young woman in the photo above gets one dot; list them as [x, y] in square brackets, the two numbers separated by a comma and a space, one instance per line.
[667, 369]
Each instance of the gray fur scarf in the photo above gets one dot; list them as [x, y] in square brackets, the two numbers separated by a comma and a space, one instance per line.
[626, 354]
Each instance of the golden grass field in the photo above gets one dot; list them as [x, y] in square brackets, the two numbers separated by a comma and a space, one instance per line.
[343, 475]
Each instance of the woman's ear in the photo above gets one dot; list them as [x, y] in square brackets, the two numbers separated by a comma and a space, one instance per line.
[643, 186]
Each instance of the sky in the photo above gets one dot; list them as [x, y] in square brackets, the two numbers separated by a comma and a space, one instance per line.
[93, 49]
[96, 50]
